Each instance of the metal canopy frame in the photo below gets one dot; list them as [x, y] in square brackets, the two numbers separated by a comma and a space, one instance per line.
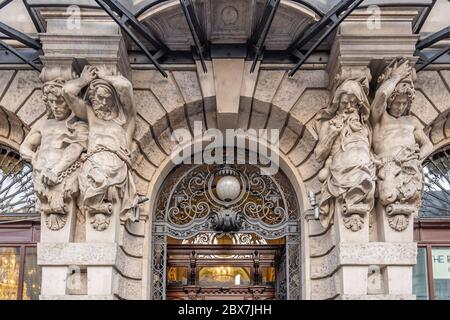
[200, 41]
[330, 22]
[421, 45]
[128, 21]
[24, 39]
[112, 8]
[259, 36]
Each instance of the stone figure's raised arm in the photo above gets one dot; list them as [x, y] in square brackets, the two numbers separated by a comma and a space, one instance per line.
[72, 88]
[327, 135]
[32, 141]
[123, 87]
[379, 104]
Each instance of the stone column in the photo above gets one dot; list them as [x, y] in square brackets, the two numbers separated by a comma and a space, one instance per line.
[88, 265]
[374, 262]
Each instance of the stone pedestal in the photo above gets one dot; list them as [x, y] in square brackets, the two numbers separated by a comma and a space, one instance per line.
[66, 233]
[390, 230]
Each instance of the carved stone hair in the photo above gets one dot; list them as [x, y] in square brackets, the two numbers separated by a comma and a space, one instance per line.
[99, 83]
[51, 87]
[406, 86]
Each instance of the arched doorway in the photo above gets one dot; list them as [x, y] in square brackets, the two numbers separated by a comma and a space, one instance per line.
[225, 231]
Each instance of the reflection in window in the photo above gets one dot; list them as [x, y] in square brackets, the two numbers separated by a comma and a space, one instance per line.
[436, 196]
[420, 278]
[441, 273]
[268, 276]
[16, 183]
[177, 276]
[9, 273]
[31, 275]
[224, 275]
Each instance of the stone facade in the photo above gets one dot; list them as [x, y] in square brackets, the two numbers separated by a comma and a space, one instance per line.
[355, 256]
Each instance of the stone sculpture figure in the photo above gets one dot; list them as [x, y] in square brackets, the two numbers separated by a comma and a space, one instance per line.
[54, 146]
[399, 144]
[348, 175]
[106, 183]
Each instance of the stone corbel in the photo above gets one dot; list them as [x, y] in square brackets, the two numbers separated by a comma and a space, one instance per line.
[90, 37]
[367, 40]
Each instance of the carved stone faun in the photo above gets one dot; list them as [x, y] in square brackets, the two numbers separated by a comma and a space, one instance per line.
[348, 175]
[106, 183]
[54, 146]
[399, 144]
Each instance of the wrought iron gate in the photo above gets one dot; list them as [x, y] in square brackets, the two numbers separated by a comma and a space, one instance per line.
[193, 200]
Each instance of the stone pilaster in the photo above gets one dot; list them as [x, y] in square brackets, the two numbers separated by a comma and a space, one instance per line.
[90, 266]
[375, 262]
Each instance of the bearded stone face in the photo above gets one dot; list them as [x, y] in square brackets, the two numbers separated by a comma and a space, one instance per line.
[348, 104]
[103, 104]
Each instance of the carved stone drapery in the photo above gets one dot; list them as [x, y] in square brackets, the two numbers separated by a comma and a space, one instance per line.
[106, 183]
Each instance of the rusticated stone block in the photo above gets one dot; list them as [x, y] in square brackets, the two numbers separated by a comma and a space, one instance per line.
[150, 110]
[130, 289]
[288, 140]
[423, 109]
[310, 168]
[311, 101]
[189, 86]
[432, 85]
[23, 84]
[322, 244]
[61, 254]
[326, 288]
[16, 133]
[304, 147]
[33, 109]
[143, 167]
[4, 124]
[268, 82]
[132, 245]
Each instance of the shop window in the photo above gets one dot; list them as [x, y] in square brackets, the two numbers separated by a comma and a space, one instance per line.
[441, 272]
[9, 273]
[31, 275]
[420, 275]
[19, 274]
[431, 275]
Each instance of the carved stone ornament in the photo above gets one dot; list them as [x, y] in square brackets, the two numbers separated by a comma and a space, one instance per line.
[54, 146]
[348, 174]
[106, 183]
[399, 144]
